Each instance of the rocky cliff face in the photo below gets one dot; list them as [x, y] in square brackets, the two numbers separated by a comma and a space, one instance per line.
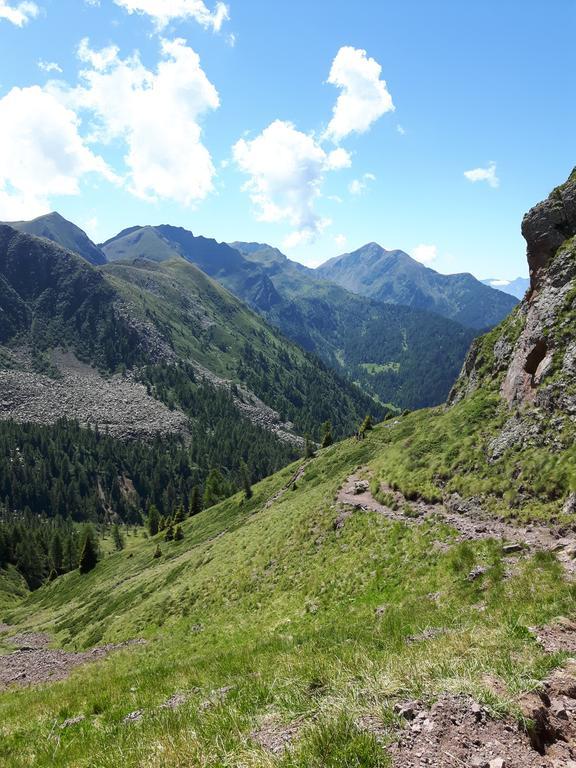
[531, 356]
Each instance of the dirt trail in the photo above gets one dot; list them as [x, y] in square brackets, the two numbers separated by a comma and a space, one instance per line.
[34, 662]
[467, 518]
[298, 475]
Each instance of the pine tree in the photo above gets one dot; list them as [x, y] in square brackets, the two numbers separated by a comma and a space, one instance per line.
[366, 424]
[153, 520]
[308, 447]
[215, 489]
[246, 484]
[57, 554]
[169, 535]
[117, 538]
[157, 552]
[89, 552]
[179, 515]
[327, 439]
[70, 553]
[195, 501]
[178, 534]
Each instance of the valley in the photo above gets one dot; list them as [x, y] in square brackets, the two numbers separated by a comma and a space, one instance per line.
[403, 597]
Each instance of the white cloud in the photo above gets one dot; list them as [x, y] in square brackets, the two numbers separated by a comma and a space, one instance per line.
[155, 114]
[358, 186]
[340, 240]
[98, 60]
[164, 11]
[364, 97]
[401, 130]
[425, 254]
[338, 159]
[41, 153]
[484, 174]
[18, 14]
[286, 169]
[49, 66]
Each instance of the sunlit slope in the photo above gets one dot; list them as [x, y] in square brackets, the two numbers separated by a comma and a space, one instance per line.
[307, 609]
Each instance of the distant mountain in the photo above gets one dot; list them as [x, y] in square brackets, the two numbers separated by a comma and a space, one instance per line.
[217, 260]
[404, 357]
[151, 319]
[394, 277]
[56, 228]
[517, 287]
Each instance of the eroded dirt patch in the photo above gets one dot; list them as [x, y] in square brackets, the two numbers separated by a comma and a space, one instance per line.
[276, 737]
[558, 636]
[456, 732]
[33, 662]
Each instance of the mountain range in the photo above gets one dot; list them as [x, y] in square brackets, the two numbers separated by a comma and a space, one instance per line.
[402, 355]
[149, 350]
[394, 277]
[405, 599]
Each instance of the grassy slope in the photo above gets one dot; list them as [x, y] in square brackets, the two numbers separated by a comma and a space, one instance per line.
[207, 324]
[287, 606]
[12, 588]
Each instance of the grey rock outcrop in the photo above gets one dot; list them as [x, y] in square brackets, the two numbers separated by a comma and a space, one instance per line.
[534, 356]
[546, 226]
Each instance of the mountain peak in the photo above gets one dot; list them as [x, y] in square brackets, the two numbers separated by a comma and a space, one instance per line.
[394, 277]
[53, 226]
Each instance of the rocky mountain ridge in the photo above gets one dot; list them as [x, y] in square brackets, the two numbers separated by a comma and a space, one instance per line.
[402, 356]
[532, 353]
[59, 230]
[124, 319]
[395, 277]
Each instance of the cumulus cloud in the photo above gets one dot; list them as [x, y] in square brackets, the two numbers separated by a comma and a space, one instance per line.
[155, 114]
[41, 152]
[49, 66]
[425, 254]
[484, 174]
[165, 11]
[286, 169]
[18, 14]
[358, 186]
[364, 96]
[340, 240]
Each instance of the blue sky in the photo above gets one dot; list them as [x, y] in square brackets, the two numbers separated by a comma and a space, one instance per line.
[222, 119]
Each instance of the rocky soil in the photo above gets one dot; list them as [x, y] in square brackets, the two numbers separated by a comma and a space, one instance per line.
[33, 662]
[456, 731]
[118, 405]
[254, 409]
[274, 736]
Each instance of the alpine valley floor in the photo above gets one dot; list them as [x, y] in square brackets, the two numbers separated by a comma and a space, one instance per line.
[404, 600]
[295, 633]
